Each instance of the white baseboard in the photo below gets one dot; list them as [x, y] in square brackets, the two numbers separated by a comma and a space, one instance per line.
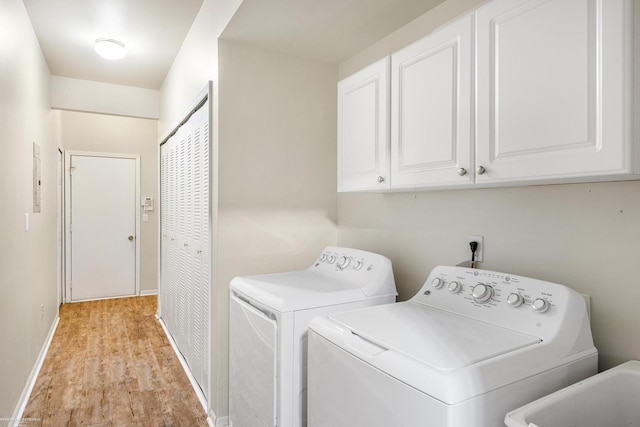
[16, 418]
[148, 292]
[220, 421]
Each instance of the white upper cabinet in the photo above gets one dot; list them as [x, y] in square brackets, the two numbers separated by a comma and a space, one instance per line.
[431, 135]
[517, 92]
[363, 129]
[553, 90]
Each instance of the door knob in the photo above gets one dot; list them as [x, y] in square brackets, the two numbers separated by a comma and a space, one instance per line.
[130, 238]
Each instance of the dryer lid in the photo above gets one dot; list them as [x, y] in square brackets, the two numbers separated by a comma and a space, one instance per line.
[434, 337]
[298, 290]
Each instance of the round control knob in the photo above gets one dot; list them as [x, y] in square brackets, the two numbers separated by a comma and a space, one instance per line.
[437, 283]
[515, 300]
[323, 257]
[540, 305]
[357, 265]
[344, 262]
[331, 259]
[455, 287]
[482, 293]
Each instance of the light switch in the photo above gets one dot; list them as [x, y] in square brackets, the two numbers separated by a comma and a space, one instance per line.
[145, 217]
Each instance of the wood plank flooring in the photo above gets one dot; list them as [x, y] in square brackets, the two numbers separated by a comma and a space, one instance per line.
[110, 364]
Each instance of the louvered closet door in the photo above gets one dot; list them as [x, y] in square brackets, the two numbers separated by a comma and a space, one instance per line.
[198, 244]
[185, 272]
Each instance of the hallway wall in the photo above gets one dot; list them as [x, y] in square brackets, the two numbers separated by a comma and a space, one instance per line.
[28, 298]
[115, 134]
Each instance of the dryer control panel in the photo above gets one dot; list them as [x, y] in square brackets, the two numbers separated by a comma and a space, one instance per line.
[368, 271]
[528, 305]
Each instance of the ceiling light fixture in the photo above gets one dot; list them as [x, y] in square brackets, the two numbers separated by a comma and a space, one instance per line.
[110, 49]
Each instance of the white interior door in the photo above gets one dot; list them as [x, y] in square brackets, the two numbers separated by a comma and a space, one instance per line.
[102, 227]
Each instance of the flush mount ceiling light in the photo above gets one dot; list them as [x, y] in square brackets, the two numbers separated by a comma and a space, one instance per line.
[110, 49]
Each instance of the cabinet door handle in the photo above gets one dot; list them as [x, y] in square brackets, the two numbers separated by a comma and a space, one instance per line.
[480, 170]
[462, 171]
[380, 179]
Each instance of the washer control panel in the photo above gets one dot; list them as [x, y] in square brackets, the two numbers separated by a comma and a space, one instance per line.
[512, 301]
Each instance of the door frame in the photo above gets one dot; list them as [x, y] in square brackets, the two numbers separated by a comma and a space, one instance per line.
[67, 211]
[61, 226]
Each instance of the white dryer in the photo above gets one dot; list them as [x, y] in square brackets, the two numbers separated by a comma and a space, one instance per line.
[268, 318]
[468, 348]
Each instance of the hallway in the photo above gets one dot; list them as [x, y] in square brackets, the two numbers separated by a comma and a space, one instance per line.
[110, 364]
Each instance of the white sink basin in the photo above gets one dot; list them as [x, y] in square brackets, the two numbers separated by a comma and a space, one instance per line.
[609, 399]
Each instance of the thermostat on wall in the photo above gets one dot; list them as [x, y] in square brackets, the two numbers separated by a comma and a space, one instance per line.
[147, 203]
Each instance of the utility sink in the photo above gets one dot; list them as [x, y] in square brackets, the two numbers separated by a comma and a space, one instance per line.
[611, 399]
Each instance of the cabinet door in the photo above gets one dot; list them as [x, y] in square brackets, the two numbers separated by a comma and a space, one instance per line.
[551, 100]
[363, 136]
[431, 143]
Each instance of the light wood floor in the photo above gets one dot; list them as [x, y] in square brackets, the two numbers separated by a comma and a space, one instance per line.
[110, 364]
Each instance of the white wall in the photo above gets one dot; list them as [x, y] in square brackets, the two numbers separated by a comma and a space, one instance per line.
[27, 259]
[104, 98]
[277, 167]
[586, 236]
[103, 133]
[196, 62]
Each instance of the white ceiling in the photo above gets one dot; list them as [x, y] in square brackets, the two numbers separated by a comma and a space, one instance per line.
[153, 31]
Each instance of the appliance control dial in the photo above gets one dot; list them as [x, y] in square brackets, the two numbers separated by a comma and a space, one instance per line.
[357, 265]
[437, 283]
[323, 257]
[515, 300]
[482, 293]
[455, 287]
[331, 259]
[344, 262]
[540, 305]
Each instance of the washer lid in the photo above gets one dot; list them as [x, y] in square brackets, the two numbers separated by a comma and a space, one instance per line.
[298, 290]
[438, 338]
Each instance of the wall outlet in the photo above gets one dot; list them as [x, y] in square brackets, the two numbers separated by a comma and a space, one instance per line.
[480, 250]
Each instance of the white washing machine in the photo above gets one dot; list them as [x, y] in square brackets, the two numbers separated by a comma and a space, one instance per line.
[268, 319]
[468, 348]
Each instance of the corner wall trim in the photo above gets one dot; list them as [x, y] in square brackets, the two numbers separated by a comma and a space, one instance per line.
[148, 292]
[221, 421]
[31, 381]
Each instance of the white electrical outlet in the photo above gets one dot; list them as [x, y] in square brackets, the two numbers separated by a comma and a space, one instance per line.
[480, 250]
